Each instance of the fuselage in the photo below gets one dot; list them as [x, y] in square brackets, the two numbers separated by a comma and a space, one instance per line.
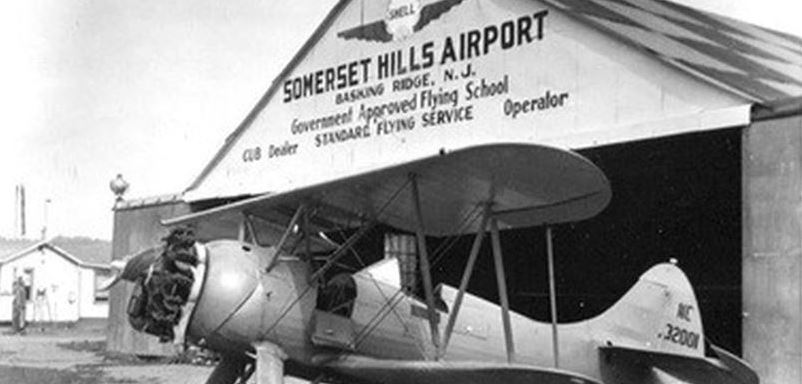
[243, 303]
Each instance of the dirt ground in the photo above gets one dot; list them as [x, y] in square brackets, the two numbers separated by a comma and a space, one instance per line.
[63, 355]
[77, 355]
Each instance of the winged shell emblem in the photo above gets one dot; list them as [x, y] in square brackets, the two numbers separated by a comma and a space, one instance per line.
[403, 18]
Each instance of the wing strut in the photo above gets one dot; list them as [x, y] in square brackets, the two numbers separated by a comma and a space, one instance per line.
[502, 289]
[341, 251]
[424, 265]
[552, 298]
[286, 235]
[491, 223]
[466, 278]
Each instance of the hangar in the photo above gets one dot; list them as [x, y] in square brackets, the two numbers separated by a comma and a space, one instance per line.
[695, 118]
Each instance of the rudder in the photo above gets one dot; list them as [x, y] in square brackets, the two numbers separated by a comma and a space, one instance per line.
[658, 313]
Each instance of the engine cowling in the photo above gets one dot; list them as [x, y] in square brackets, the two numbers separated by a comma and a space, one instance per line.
[212, 297]
[230, 307]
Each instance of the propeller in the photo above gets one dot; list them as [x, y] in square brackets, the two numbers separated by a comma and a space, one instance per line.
[132, 266]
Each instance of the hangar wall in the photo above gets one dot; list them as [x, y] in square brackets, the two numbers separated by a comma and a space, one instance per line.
[772, 249]
[136, 227]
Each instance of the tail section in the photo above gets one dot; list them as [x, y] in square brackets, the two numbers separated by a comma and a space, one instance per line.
[654, 335]
[659, 313]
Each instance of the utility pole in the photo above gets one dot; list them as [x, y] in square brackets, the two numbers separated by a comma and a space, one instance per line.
[44, 225]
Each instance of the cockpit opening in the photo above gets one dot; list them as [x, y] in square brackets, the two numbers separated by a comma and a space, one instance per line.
[338, 295]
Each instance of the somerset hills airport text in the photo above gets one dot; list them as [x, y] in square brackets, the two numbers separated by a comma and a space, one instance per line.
[471, 44]
[423, 85]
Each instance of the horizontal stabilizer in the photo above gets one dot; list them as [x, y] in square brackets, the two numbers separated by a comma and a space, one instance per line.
[627, 365]
[439, 372]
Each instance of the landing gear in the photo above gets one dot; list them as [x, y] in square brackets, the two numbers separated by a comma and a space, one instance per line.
[230, 370]
[269, 364]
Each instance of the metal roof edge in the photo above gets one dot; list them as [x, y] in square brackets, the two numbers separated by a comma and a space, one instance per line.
[274, 86]
[146, 202]
[104, 267]
[777, 109]
[64, 253]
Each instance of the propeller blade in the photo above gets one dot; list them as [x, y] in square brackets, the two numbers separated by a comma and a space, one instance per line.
[131, 266]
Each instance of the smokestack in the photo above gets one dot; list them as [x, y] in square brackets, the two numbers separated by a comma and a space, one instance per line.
[19, 215]
[44, 226]
[16, 209]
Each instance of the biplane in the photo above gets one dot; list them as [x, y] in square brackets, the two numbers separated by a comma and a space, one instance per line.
[264, 301]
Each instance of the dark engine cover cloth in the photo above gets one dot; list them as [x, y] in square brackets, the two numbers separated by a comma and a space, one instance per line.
[160, 293]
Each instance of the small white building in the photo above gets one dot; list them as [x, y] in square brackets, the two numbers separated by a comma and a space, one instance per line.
[60, 286]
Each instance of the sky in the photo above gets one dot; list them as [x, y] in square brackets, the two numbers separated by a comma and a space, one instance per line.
[150, 89]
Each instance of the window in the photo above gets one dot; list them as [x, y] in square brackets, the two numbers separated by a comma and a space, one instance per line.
[27, 282]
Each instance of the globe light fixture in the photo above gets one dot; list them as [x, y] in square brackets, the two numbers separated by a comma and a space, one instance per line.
[118, 186]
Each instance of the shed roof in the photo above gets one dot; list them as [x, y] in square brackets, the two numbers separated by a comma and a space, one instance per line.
[10, 247]
[80, 250]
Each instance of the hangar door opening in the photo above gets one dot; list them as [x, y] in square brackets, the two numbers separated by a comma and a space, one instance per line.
[673, 198]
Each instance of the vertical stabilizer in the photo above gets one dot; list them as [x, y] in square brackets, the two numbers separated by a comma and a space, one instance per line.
[654, 335]
[659, 313]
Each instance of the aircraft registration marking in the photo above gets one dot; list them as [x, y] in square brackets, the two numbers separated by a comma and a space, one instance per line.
[684, 311]
[681, 336]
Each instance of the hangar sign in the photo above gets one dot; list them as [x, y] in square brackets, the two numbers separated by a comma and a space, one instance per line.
[395, 90]
[397, 80]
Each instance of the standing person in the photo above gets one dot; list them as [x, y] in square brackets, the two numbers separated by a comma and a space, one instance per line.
[18, 310]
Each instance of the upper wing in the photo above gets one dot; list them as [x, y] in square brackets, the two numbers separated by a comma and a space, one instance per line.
[527, 184]
[375, 31]
[432, 11]
[649, 366]
[438, 372]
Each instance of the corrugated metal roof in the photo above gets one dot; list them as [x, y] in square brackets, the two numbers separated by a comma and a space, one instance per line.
[758, 63]
[91, 251]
